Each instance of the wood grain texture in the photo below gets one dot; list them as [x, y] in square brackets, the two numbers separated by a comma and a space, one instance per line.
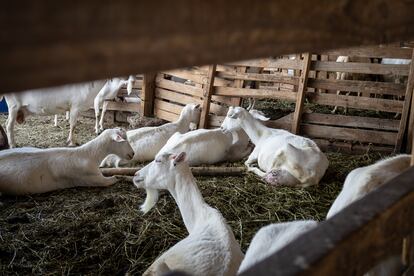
[300, 99]
[208, 87]
[46, 43]
[148, 94]
[406, 107]
[362, 234]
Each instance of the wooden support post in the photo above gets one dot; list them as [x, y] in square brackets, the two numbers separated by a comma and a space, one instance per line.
[405, 110]
[208, 87]
[301, 92]
[148, 94]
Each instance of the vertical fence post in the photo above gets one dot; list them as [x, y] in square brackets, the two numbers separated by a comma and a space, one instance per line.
[300, 98]
[208, 86]
[148, 94]
[405, 111]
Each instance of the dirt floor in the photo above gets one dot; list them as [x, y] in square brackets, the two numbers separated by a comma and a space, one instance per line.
[94, 231]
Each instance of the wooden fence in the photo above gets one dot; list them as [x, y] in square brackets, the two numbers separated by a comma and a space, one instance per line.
[378, 109]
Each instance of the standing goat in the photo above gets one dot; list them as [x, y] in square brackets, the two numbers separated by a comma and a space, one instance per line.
[108, 92]
[147, 141]
[49, 101]
[33, 170]
[271, 238]
[210, 248]
[283, 158]
[364, 180]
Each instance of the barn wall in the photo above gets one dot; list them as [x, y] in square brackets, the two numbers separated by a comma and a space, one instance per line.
[378, 111]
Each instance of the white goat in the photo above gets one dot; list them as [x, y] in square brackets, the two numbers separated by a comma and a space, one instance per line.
[362, 181]
[209, 146]
[210, 248]
[147, 141]
[49, 101]
[108, 92]
[271, 238]
[32, 170]
[203, 146]
[283, 158]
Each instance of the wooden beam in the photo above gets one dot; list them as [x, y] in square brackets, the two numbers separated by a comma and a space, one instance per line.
[208, 87]
[300, 99]
[47, 43]
[204, 171]
[148, 94]
[354, 240]
[406, 106]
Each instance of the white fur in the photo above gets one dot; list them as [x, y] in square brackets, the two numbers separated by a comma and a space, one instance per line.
[203, 146]
[364, 180]
[49, 101]
[209, 146]
[32, 170]
[272, 238]
[210, 248]
[147, 141]
[108, 92]
[298, 158]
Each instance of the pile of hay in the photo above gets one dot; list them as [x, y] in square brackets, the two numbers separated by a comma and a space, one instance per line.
[101, 231]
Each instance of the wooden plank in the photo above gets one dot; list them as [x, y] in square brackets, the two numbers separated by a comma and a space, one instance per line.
[354, 240]
[270, 63]
[186, 74]
[349, 134]
[363, 68]
[238, 83]
[122, 106]
[176, 97]
[383, 88]
[254, 93]
[300, 99]
[176, 86]
[406, 106]
[165, 115]
[208, 87]
[52, 43]
[148, 94]
[222, 99]
[356, 102]
[373, 51]
[218, 109]
[167, 106]
[259, 77]
[351, 148]
[351, 121]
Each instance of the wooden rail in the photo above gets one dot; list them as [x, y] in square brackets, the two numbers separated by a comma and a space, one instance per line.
[46, 43]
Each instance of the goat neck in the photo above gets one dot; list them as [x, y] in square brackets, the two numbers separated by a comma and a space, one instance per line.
[254, 129]
[96, 149]
[191, 203]
[183, 123]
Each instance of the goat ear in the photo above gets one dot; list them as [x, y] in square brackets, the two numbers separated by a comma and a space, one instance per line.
[118, 138]
[234, 113]
[197, 106]
[179, 158]
[258, 115]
